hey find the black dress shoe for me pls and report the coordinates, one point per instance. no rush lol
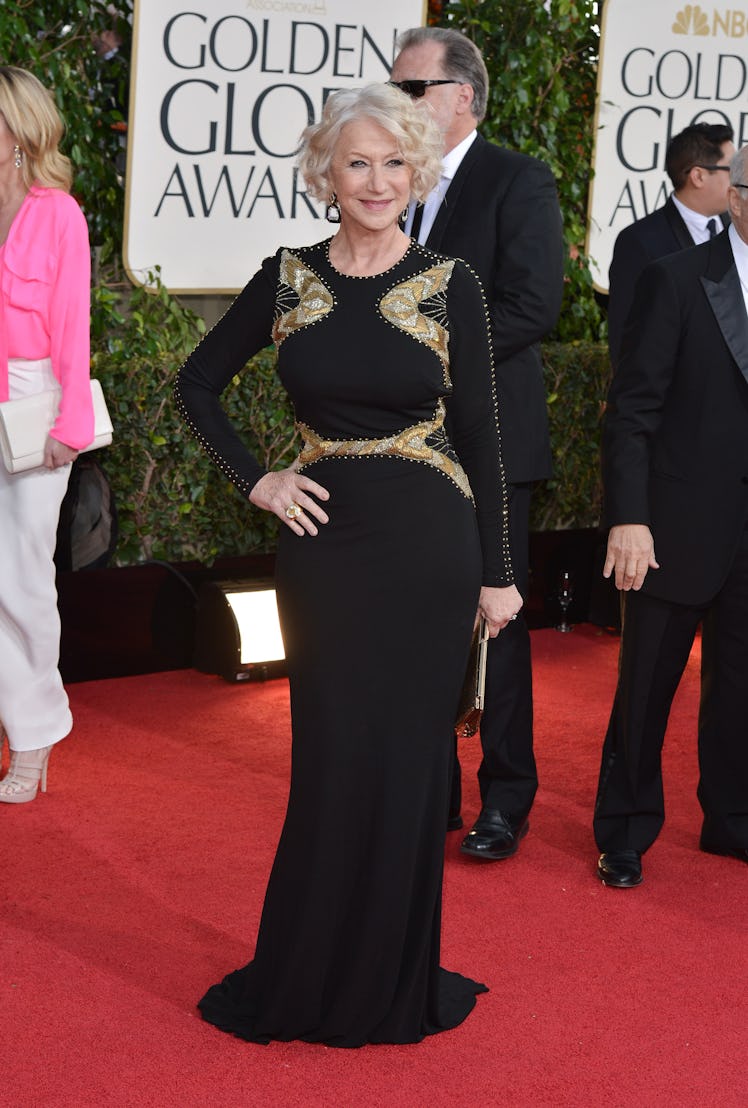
(494, 836)
(454, 821)
(620, 868)
(739, 852)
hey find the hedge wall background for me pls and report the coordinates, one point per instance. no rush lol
(173, 504)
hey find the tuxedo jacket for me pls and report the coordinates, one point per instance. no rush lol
(500, 214)
(660, 233)
(675, 438)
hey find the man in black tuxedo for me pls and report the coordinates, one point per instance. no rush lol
(497, 210)
(697, 162)
(675, 467)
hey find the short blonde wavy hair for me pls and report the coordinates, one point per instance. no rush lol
(410, 123)
(32, 118)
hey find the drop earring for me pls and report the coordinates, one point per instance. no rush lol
(332, 215)
(404, 215)
(17, 156)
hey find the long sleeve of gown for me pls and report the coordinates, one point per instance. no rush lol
(474, 421)
(245, 329)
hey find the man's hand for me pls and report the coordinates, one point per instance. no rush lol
(630, 553)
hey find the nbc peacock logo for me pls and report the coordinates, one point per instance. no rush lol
(691, 20)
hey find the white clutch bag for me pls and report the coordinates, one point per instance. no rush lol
(25, 424)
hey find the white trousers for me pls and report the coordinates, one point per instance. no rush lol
(33, 703)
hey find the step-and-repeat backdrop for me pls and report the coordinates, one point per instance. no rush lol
(220, 92)
(663, 66)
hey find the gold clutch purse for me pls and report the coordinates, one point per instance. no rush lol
(473, 692)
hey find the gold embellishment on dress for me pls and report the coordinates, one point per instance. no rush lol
(302, 298)
(418, 307)
(422, 442)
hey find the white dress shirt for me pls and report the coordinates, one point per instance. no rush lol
(740, 253)
(450, 165)
(696, 222)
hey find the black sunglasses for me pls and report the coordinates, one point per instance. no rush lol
(698, 165)
(417, 89)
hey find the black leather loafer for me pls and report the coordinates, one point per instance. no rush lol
(620, 868)
(494, 836)
(741, 853)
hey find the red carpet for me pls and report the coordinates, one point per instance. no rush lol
(138, 881)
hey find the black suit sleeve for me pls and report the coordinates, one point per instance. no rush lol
(629, 259)
(637, 395)
(656, 235)
(529, 267)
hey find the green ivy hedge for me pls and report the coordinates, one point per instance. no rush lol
(542, 63)
(175, 505)
(577, 375)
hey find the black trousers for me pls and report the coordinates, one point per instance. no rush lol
(655, 643)
(507, 776)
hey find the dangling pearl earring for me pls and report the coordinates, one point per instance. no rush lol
(18, 156)
(332, 215)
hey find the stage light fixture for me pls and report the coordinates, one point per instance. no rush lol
(237, 633)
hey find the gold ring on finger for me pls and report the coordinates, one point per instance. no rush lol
(293, 511)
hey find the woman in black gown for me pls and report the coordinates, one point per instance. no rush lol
(395, 536)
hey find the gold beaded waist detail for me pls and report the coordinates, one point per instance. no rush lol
(424, 442)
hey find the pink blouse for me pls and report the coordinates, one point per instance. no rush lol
(45, 284)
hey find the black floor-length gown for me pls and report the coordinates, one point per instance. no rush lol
(377, 613)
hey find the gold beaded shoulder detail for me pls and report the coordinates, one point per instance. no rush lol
(302, 299)
(417, 306)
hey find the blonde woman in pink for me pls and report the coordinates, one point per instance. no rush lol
(44, 343)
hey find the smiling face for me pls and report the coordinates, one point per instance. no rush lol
(369, 176)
